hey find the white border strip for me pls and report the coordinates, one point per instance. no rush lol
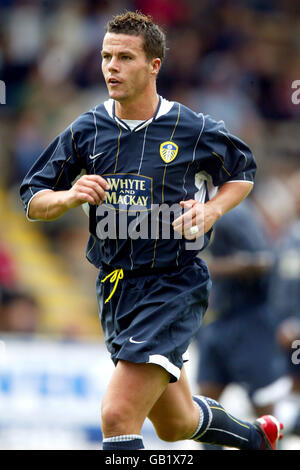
(165, 363)
(239, 181)
(27, 211)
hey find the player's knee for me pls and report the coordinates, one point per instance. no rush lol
(117, 419)
(114, 420)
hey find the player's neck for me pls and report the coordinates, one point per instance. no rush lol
(142, 108)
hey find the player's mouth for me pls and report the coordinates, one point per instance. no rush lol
(113, 82)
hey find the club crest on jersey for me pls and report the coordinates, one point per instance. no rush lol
(168, 151)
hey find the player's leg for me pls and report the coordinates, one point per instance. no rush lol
(260, 367)
(212, 369)
(213, 372)
(296, 394)
(131, 393)
(177, 415)
(288, 409)
(214, 391)
(263, 410)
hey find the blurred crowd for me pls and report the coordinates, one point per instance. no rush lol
(233, 59)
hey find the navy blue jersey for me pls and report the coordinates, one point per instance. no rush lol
(176, 155)
(285, 284)
(239, 231)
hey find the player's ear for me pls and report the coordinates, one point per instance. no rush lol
(155, 65)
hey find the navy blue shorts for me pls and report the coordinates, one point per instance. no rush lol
(152, 318)
(242, 349)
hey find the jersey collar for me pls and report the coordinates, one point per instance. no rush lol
(164, 106)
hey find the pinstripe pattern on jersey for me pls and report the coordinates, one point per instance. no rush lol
(137, 151)
(184, 177)
(63, 166)
(163, 186)
(222, 161)
(118, 148)
(74, 141)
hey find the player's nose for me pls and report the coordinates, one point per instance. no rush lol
(113, 65)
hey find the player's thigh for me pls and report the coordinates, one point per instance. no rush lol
(130, 395)
(213, 371)
(175, 415)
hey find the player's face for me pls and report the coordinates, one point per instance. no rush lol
(126, 69)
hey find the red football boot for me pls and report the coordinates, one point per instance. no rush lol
(269, 428)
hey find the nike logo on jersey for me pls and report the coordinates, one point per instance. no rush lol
(95, 156)
(136, 342)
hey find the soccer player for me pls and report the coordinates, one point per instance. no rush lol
(285, 297)
(142, 152)
(241, 264)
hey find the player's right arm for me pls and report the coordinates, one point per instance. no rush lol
(49, 205)
(53, 186)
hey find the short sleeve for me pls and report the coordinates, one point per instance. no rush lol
(55, 169)
(224, 156)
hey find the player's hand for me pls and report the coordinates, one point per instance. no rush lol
(197, 219)
(88, 188)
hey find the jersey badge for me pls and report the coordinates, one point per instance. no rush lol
(168, 151)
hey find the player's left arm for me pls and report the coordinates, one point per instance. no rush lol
(230, 166)
(204, 215)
